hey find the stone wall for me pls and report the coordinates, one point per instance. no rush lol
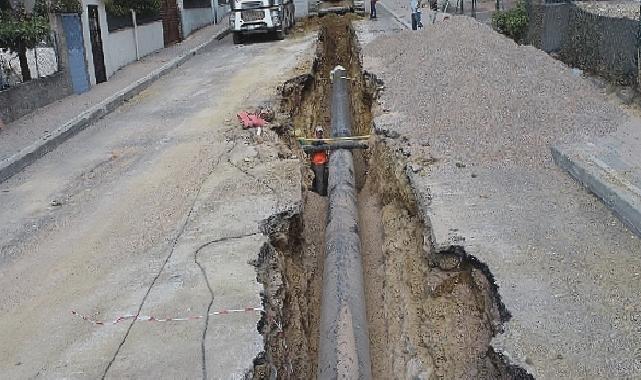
(24, 98)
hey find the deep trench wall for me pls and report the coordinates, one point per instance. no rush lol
(441, 307)
(290, 269)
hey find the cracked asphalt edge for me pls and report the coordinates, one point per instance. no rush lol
(169, 255)
(211, 291)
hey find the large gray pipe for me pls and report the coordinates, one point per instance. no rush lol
(344, 341)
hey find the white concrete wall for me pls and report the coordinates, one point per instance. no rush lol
(150, 38)
(196, 18)
(301, 8)
(119, 47)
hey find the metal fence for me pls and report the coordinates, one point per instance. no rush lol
(601, 44)
(604, 45)
(42, 61)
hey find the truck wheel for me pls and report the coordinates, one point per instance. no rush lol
(238, 38)
(279, 34)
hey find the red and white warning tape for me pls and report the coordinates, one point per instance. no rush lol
(147, 318)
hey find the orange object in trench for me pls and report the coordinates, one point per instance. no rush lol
(319, 158)
(319, 162)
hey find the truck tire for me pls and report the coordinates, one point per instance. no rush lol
(279, 35)
(238, 38)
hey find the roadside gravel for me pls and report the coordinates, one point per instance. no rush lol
(516, 99)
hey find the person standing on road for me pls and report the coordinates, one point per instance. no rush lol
(319, 161)
(372, 12)
(414, 10)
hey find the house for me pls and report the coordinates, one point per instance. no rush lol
(90, 44)
(112, 42)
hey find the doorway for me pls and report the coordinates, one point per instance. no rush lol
(72, 27)
(96, 44)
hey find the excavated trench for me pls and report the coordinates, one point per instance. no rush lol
(430, 314)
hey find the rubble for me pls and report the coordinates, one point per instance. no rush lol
(517, 99)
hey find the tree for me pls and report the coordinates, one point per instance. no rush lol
(20, 31)
(142, 7)
(513, 23)
(44, 7)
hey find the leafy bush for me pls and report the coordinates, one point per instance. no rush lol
(20, 31)
(43, 7)
(513, 23)
(143, 8)
(66, 6)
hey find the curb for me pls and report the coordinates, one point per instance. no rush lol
(620, 196)
(16, 163)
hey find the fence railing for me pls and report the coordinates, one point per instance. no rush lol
(598, 43)
(43, 61)
(115, 23)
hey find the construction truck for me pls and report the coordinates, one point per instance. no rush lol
(275, 17)
(322, 7)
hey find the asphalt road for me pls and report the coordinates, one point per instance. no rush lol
(154, 209)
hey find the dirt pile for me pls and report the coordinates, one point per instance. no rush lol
(457, 76)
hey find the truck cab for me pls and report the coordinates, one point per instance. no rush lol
(275, 17)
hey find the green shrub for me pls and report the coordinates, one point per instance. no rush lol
(20, 31)
(66, 6)
(513, 23)
(57, 6)
(143, 8)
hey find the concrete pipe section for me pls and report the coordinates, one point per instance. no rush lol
(344, 341)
